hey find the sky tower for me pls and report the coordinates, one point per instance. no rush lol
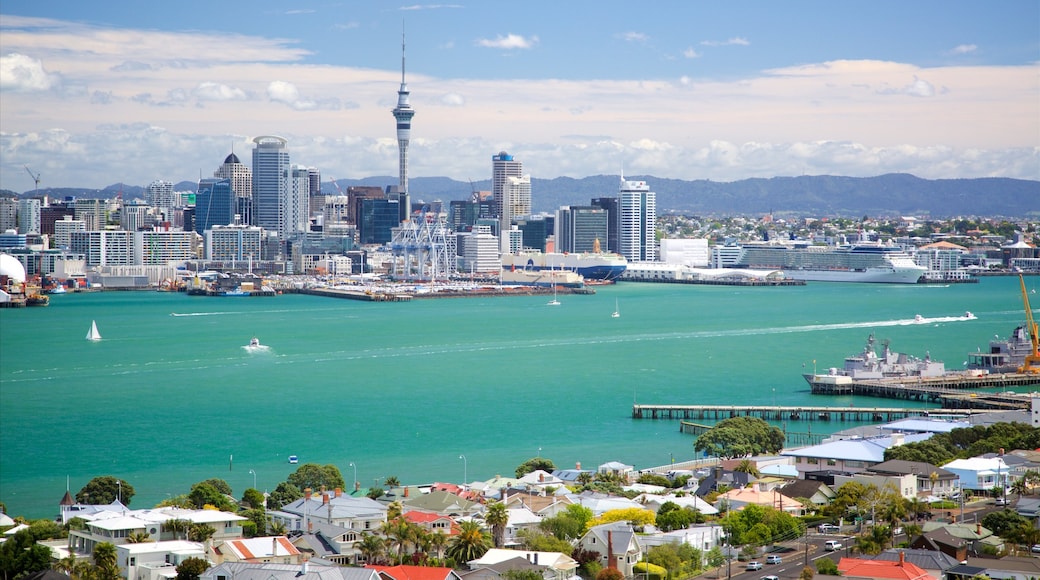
(403, 113)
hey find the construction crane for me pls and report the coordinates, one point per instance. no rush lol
(336, 185)
(36, 179)
(1031, 364)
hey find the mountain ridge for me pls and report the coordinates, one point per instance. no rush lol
(888, 195)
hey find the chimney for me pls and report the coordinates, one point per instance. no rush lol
(541, 477)
(324, 498)
(307, 493)
(978, 528)
(406, 492)
(902, 558)
(339, 492)
(303, 567)
(611, 563)
(577, 466)
(1001, 454)
(274, 546)
(357, 486)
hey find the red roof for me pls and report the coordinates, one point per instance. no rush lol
(881, 569)
(413, 572)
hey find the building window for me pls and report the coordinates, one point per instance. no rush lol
(812, 461)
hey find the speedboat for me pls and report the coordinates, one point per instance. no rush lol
(254, 342)
(293, 459)
(918, 319)
(969, 316)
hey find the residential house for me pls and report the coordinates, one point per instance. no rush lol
(519, 519)
(156, 560)
(441, 503)
(616, 469)
(1028, 507)
(719, 478)
(737, 499)
(817, 492)
(307, 570)
(974, 535)
(332, 543)
(704, 537)
(544, 505)
(415, 573)
(551, 565)
(1007, 568)
(600, 503)
(617, 544)
(270, 549)
(116, 526)
(927, 479)
(361, 514)
(881, 569)
(431, 523)
(980, 473)
(934, 562)
(941, 540)
(654, 502)
(849, 455)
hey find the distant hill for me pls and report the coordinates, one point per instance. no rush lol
(817, 195)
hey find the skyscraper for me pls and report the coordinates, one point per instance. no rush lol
(580, 228)
(270, 182)
(214, 204)
(507, 181)
(403, 113)
(296, 203)
(637, 221)
(241, 183)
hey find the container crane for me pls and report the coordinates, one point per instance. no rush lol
(1031, 364)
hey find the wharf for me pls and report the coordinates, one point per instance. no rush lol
(950, 390)
(366, 295)
(802, 413)
(720, 281)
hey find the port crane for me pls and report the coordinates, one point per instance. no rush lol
(36, 179)
(1031, 364)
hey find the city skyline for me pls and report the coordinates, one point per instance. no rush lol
(96, 95)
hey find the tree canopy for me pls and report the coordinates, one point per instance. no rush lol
(968, 442)
(534, 464)
(314, 476)
(740, 437)
(105, 489)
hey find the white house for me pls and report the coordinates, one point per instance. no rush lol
(156, 560)
(979, 473)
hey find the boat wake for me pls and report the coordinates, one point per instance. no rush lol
(256, 348)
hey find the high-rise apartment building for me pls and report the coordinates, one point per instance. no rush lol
(270, 182)
(316, 200)
(29, 216)
(611, 205)
(92, 212)
(637, 221)
(160, 196)
(234, 243)
(403, 114)
(296, 204)
(507, 183)
(8, 214)
(135, 216)
(63, 229)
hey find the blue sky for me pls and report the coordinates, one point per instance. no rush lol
(98, 93)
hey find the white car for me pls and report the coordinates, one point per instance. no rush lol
(754, 565)
(831, 545)
(828, 528)
(774, 559)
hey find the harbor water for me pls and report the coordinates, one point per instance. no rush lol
(170, 395)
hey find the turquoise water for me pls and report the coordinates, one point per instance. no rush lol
(406, 388)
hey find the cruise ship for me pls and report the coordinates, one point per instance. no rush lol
(860, 262)
(591, 266)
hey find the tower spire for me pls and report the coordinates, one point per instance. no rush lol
(403, 113)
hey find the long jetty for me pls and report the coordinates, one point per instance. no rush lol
(801, 413)
(951, 391)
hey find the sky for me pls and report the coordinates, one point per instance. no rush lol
(98, 93)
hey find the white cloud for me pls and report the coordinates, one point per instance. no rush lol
(210, 91)
(690, 53)
(22, 73)
(964, 49)
(414, 7)
(920, 88)
(509, 42)
(633, 36)
(735, 41)
(453, 100)
(283, 92)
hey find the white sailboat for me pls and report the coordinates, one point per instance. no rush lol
(93, 333)
(617, 312)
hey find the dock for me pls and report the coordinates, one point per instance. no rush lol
(956, 391)
(802, 413)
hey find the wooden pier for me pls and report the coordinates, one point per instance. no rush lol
(951, 392)
(803, 413)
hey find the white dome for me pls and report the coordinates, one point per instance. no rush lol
(12, 268)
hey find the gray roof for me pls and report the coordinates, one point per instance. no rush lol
(903, 467)
(926, 559)
(314, 571)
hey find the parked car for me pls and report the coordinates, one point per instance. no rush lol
(754, 565)
(1001, 501)
(831, 545)
(770, 578)
(1035, 549)
(774, 559)
(828, 528)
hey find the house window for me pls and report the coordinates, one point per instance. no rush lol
(133, 561)
(812, 461)
(222, 577)
(831, 462)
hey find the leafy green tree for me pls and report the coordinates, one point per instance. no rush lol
(192, 568)
(253, 498)
(807, 573)
(570, 524)
(671, 517)
(314, 476)
(534, 464)
(375, 493)
(1001, 522)
(259, 519)
(664, 556)
(104, 490)
(221, 485)
(470, 543)
(749, 467)
(655, 479)
(740, 437)
(540, 541)
(204, 493)
(520, 575)
(47, 529)
(285, 493)
(497, 516)
(20, 555)
(715, 558)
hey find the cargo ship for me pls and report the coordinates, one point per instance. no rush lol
(861, 262)
(590, 266)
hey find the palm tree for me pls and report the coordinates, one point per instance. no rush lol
(471, 543)
(372, 548)
(392, 482)
(585, 478)
(749, 467)
(497, 516)
(394, 510)
(106, 562)
(277, 529)
(138, 537)
(177, 526)
(201, 532)
(1032, 478)
(438, 540)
